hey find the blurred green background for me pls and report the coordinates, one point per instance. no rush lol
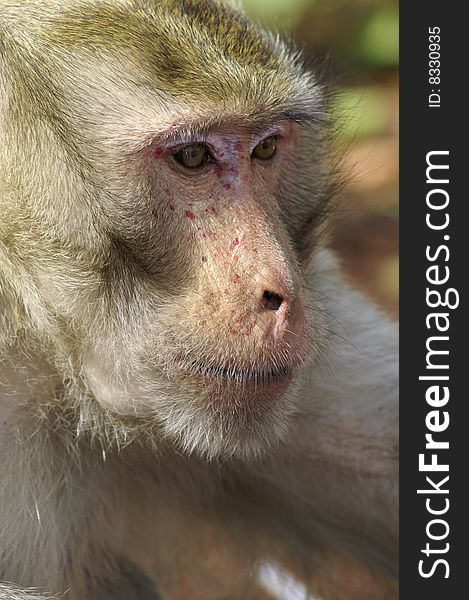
(358, 40)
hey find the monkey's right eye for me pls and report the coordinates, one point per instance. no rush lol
(192, 156)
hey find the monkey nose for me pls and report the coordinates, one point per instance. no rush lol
(272, 300)
(280, 309)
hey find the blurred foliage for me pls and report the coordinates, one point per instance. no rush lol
(365, 31)
(378, 42)
(360, 112)
(283, 13)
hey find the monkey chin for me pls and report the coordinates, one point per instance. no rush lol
(231, 413)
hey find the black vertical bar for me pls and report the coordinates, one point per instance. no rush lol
(426, 127)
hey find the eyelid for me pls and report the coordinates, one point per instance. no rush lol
(174, 149)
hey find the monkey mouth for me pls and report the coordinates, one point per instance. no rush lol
(253, 376)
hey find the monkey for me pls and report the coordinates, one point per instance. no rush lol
(184, 368)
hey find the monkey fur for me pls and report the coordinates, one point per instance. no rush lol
(183, 367)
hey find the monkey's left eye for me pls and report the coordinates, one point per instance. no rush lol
(192, 156)
(266, 149)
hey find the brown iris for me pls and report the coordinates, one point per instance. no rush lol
(192, 156)
(266, 149)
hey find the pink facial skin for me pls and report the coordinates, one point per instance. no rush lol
(224, 206)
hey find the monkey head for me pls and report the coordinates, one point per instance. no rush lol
(173, 175)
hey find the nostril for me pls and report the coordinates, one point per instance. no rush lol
(271, 300)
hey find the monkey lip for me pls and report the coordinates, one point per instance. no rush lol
(247, 376)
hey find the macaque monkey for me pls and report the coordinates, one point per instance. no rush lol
(182, 363)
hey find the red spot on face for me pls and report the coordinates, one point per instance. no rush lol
(236, 278)
(171, 207)
(209, 233)
(159, 151)
(213, 210)
(226, 292)
(234, 243)
(189, 214)
(238, 147)
(232, 331)
(246, 332)
(227, 186)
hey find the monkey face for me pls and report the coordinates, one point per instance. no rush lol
(213, 327)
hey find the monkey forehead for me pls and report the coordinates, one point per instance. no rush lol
(202, 53)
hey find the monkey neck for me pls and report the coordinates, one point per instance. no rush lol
(35, 471)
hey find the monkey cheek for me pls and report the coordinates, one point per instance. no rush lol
(109, 390)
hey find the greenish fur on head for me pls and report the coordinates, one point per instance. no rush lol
(205, 52)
